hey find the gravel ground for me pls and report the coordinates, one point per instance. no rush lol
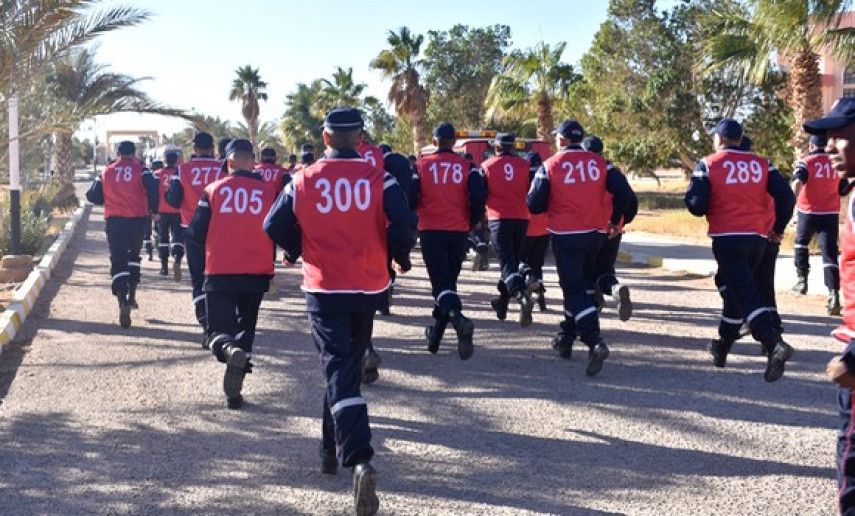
(96, 419)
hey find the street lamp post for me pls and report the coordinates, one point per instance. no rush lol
(14, 179)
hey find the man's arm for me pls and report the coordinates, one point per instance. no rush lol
(800, 177)
(95, 194)
(152, 191)
(282, 226)
(415, 190)
(697, 198)
(618, 186)
(175, 193)
(477, 197)
(401, 233)
(197, 230)
(784, 199)
(537, 198)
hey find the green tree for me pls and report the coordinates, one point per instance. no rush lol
(301, 121)
(81, 88)
(460, 63)
(341, 90)
(794, 30)
(249, 89)
(400, 63)
(532, 83)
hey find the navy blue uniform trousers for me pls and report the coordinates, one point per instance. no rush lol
(826, 228)
(575, 259)
(533, 255)
(443, 253)
(740, 259)
(846, 454)
(506, 237)
(341, 339)
(170, 236)
(196, 264)
(604, 272)
(234, 314)
(125, 239)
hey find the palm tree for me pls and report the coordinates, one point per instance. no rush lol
(302, 119)
(81, 88)
(794, 30)
(400, 63)
(249, 89)
(341, 90)
(532, 82)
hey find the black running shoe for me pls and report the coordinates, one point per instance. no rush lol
(526, 307)
(501, 308)
(719, 350)
(624, 303)
(176, 270)
(124, 314)
(365, 490)
(235, 366)
(777, 361)
(370, 363)
(465, 329)
(433, 334)
(563, 346)
(329, 462)
(596, 356)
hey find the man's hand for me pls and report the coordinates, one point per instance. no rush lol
(286, 263)
(155, 217)
(775, 238)
(477, 227)
(838, 373)
(612, 231)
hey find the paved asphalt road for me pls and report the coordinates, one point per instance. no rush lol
(96, 419)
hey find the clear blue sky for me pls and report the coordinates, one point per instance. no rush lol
(190, 48)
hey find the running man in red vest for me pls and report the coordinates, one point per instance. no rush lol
(170, 236)
(128, 193)
(227, 224)
(535, 244)
(184, 193)
(507, 179)
(272, 173)
(449, 197)
(570, 188)
(605, 280)
(343, 206)
(818, 205)
(839, 125)
(732, 188)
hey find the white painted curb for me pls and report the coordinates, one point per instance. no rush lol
(27, 294)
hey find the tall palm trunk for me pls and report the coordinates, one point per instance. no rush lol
(805, 85)
(419, 139)
(545, 124)
(63, 170)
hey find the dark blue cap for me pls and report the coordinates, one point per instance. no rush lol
(570, 129)
(444, 131)
(156, 164)
(820, 140)
(729, 128)
(841, 115)
(386, 148)
(343, 119)
(203, 140)
(244, 146)
(534, 159)
(292, 157)
(505, 139)
(746, 144)
(395, 163)
(222, 144)
(268, 152)
(171, 156)
(307, 147)
(126, 148)
(593, 144)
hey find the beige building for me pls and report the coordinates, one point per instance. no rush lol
(838, 79)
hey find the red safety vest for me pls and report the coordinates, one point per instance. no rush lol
(444, 192)
(371, 153)
(507, 184)
(272, 173)
(739, 201)
(846, 331)
(339, 205)
(236, 242)
(164, 178)
(577, 186)
(124, 193)
(819, 194)
(195, 175)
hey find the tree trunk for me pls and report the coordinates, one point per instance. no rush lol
(545, 124)
(418, 126)
(63, 170)
(805, 85)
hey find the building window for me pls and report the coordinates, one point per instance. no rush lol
(849, 75)
(849, 92)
